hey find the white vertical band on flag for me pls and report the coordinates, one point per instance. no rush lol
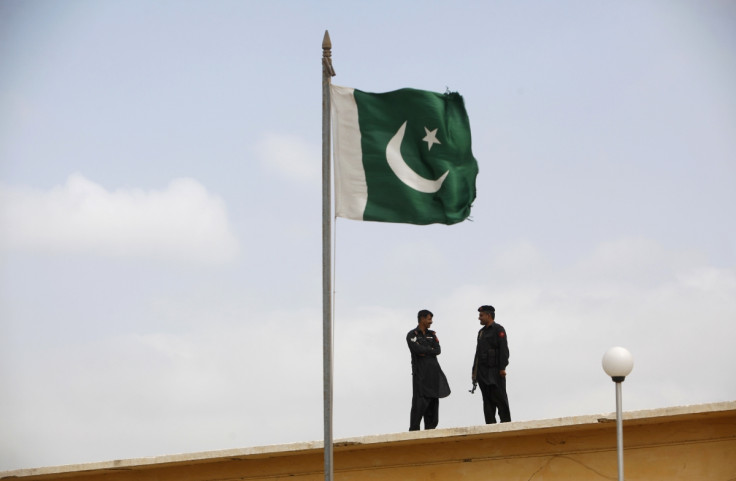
(351, 190)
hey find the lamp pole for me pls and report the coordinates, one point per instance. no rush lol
(618, 363)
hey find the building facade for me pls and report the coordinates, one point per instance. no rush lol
(683, 443)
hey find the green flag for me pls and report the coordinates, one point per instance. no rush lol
(403, 156)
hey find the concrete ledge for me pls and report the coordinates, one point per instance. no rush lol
(653, 440)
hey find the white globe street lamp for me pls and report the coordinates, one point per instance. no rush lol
(618, 363)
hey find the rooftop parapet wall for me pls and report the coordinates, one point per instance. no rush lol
(683, 443)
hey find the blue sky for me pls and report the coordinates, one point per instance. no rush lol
(160, 217)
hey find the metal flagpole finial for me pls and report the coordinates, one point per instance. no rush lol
(327, 55)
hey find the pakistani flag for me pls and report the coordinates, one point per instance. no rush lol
(402, 156)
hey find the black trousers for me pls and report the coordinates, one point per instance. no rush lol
(494, 397)
(424, 407)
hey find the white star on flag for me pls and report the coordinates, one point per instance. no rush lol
(430, 138)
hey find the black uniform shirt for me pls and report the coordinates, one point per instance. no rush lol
(491, 354)
(427, 377)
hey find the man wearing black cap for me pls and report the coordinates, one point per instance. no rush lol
(428, 381)
(489, 367)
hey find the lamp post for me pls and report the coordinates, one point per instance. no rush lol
(618, 363)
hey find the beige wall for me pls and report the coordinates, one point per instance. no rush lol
(694, 443)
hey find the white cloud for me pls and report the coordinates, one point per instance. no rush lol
(183, 222)
(228, 377)
(215, 386)
(290, 156)
(668, 307)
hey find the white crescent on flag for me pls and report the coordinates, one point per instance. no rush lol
(404, 172)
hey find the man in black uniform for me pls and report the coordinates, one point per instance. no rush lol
(489, 367)
(428, 381)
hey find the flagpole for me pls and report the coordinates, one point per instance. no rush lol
(327, 73)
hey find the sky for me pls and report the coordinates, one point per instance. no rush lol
(160, 217)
